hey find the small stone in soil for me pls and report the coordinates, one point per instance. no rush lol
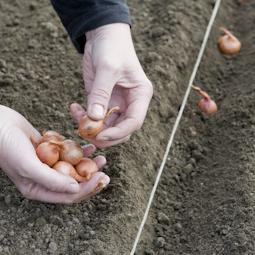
(149, 252)
(53, 246)
(99, 252)
(11, 233)
(51, 28)
(2, 64)
(197, 155)
(160, 242)
(177, 206)
(57, 220)
(178, 226)
(162, 218)
(92, 233)
(32, 44)
(32, 6)
(192, 131)
(7, 199)
(192, 161)
(193, 145)
(40, 222)
(176, 178)
(188, 168)
(86, 253)
(183, 239)
(38, 252)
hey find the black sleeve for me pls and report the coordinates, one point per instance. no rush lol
(80, 16)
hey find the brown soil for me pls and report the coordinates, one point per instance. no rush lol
(206, 199)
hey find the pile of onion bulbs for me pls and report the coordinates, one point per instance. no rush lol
(65, 156)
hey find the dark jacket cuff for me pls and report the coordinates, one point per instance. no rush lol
(82, 24)
(81, 17)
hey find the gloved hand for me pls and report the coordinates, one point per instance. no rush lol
(113, 76)
(34, 179)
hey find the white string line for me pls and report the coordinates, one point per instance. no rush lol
(176, 124)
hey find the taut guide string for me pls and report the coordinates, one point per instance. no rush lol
(176, 124)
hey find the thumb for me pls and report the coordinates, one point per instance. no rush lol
(32, 168)
(100, 94)
(48, 178)
(21, 160)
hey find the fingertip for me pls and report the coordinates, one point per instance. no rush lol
(73, 188)
(102, 182)
(97, 177)
(63, 183)
(49, 178)
(106, 180)
(96, 111)
(35, 140)
(75, 106)
(76, 111)
(100, 161)
(88, 189)
(88, 149)
(92, 183)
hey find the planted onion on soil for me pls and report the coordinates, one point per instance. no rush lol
(228, 44)
(89, 128)
(206, 104)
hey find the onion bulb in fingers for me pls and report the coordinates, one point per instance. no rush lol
(89, 128)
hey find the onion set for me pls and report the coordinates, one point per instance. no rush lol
(86, 168)
(51, 136)
(70, 151)
(228, 44)
(66, 168)
(49, 153)
(65, 156)
(206, 104)
(89, 128)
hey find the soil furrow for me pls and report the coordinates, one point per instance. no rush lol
(41, 75)
(205, 203)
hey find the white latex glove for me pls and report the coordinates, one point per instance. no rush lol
(113, 76)
(34, 179)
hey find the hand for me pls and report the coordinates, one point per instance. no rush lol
(34, 179)
(114, 77)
